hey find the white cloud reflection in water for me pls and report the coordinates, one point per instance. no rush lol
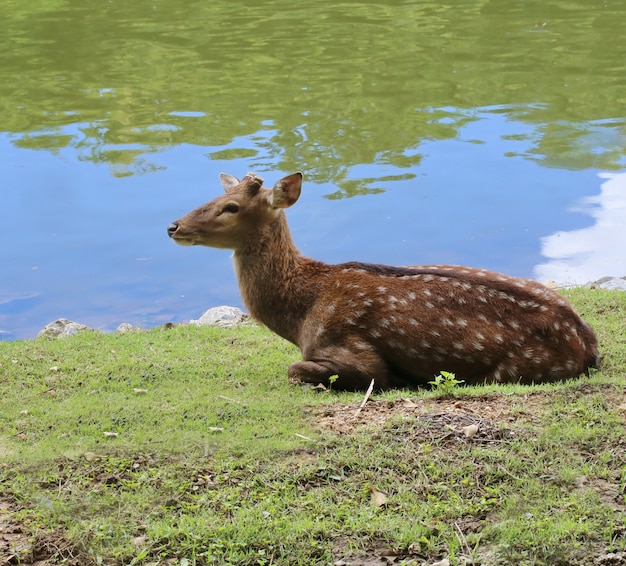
(584, 255)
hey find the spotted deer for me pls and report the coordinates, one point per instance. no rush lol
(398, 326)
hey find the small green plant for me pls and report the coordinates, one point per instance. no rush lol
(445, 383)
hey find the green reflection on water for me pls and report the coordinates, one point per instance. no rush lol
(332, 85)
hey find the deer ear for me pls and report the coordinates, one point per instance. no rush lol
(229, 182)
(286, 191)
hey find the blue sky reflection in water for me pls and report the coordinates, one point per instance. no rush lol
(90, 245)
(487, 133)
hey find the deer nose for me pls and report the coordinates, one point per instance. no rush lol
(171, 229)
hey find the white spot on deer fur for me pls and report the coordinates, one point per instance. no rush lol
(514, 324)
(350, 321)
(498, 338)
(424, 344)
(393, 299)
(447, 322)
(461, 322)
(382, 289)
(543, 308)
(330, 308)
(528, 353)
(428, 278)
(362, 345)
(385, 323)
(427, 292)
(557, 326)
(368, 302)
(413, 322)
(401, 331)
(458, 346)
(444, 279)
(480, 336)
(435, 333)
(481, 274)
(374, 333)
(478, 346)
(392, 343)
(429, 305)
(412, 296)
(359, 313)
(499, 323)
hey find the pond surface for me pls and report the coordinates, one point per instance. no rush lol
(486, 133)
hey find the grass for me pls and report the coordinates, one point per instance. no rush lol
(188, 447)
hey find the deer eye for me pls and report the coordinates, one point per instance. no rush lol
(231, 207)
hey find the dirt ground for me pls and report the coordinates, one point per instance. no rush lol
(484, 419)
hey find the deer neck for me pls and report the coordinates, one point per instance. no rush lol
(276, 282)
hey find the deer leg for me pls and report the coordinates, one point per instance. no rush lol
(310, 372)
(355, 370)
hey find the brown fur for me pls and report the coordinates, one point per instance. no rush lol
(396, 325)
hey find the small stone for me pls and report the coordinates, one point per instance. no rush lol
(612, 283)
(62, 328)
(224, 317)
(470, 430)
(125, 328)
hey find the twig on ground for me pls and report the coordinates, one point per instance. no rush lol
(367, 396)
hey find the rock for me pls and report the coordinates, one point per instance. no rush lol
(125, 328)
(62, 328)
(224, 317)
(613, 283)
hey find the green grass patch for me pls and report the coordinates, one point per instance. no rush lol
(188, 446)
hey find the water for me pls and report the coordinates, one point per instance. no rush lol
(485, 133)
